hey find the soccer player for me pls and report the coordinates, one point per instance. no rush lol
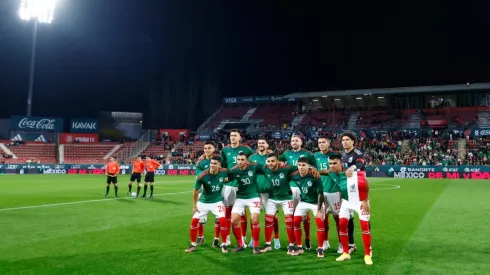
(211, 181)
(203, 165)
(151, 166)
(352, 159)
(244, 175)
(138, 168)
(261, 158)
(311, 189)
(291, 158)
(330, 191)
(280, 194)
(229, 156)
(355, 198)
(111, 171)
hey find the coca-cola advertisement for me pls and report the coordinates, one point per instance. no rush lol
(36, 124)
(67, 138)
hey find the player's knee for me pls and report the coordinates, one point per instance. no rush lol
(194, 222)
(343, 224)
(235, 218)
(255, 218)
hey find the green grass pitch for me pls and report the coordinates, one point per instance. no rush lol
(62, 224)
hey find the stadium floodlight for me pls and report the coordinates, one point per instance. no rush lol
(41, 11)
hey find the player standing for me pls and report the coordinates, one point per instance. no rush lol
(352, 159)
(151, 166)
(330, 191)
(211, 181)
(138, 168)
(247, 195)
(111, 171)
(291, 158)
(311, 189)
(280, 195)
(354, 190)
(229, 156)
(263, 185)
(203, 165)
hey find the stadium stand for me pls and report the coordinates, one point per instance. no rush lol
(89, 153)
(31, 151)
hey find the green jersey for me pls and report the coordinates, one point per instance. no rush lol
(310, 187)
(212, 185)
(229, 155)
(322, 164)
(291, 157)
(246, 181)
(279, 182)
(331, 183)
(259, 159)
(203, 165)
(262, 183)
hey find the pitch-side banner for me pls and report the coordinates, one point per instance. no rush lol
(36, 124)
(94, 169)
(84, 125)
(67, 138)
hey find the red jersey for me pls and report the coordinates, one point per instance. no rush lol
(151, 165)
(112, 168)
(138, 166)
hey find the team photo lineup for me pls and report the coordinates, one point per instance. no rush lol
(298, 182)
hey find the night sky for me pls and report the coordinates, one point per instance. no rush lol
(152, 56)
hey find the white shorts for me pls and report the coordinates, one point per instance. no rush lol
(303, 209)
(252, 204)
(287, 207)
(348, 208)
(263, 199)
(334, 202)
(217, 208)
(229, 195)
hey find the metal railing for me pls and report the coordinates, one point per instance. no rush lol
(127, 154)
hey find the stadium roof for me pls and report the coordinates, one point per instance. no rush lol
(400, 90)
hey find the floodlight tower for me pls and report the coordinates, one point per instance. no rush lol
(41, 11)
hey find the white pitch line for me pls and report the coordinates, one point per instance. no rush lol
(393, 186)
(113, 199)
(80, 202)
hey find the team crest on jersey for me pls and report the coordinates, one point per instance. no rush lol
(350, 159)
(352, 188)
(281, 175)
(250, 173)
(220, 179)
(309, 183)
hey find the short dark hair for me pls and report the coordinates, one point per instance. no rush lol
(216, 158)
(242, 154)
(234, 131)
(263, 138)
(324, 137)
(272, 155)
(303, 160)
(335, 156)
(349, 135)
(209, 143)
